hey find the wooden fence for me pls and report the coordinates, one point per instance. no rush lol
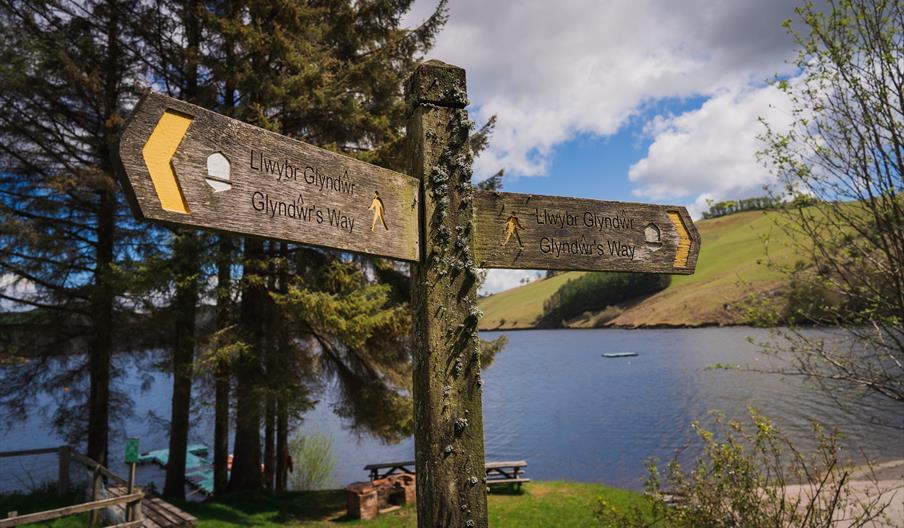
(131, 501)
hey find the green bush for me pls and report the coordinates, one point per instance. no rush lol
(751, 476)
(313, 462)
(592, 292)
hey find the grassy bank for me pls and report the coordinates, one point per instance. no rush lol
(43, 500)
(561, 504)
(539, 504)
(732, 265)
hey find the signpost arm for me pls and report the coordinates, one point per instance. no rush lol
(447, 388)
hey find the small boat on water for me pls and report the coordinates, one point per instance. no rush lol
(619, 355)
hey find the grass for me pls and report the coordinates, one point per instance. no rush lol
(520, 307)
(544, 503)
(42, 500)
(731, 265)
(561, 504)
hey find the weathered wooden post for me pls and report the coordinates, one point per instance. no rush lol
(63, 471)
(95, 495)
(447, 387)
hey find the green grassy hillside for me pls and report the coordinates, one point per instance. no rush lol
(731, 266)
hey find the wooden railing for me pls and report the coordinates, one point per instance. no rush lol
(63, 454)
(131, 500)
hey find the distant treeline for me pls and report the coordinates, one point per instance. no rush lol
(596, 291)
(728, 207)
(760, 203)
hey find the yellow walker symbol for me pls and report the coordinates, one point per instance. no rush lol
(378, 208)
(512, 226)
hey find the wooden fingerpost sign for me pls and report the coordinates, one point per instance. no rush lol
(448, 415)
(531, 231)
(189, 166)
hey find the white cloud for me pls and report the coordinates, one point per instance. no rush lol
(551, 71)
(710, 153)
(503, 279)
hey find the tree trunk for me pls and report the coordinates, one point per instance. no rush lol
(221, 404)
(282, 446)
(282, 410)
(224, 308)
(270, 442)
(270, 358)
(103, 294)
(187, 265)
(102, 341)
(246, 461)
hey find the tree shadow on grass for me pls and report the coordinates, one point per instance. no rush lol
(264, 506)
(507, 490)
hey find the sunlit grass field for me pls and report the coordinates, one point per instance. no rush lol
(732, 264)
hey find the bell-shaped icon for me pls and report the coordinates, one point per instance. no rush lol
(652, 234)
(218, 172)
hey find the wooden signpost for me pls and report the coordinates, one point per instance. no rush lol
(530, 231)
(188, 166)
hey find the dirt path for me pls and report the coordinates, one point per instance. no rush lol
(884, 480)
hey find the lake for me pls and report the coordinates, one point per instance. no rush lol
(551, 399)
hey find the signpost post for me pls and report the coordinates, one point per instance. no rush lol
(185, 165)
(448, 415)
(131, 458)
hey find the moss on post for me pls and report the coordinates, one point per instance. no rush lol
(451, 488)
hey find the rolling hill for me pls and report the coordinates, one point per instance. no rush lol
(732, 265)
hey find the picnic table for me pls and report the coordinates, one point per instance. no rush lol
(503, 473)
(509, 472)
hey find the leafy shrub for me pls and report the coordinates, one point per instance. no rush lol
(313, 461)
(755, 478)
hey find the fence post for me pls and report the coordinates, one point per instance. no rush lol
(448, 417)
(63, 474)
(95, 495)
(137, 515)
(130, 508)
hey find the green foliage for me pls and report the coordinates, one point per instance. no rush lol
(313, 461)
(750, 475)
(489, 350)
(843, 149)
(360, 337)
(329, 73)
(595, 291)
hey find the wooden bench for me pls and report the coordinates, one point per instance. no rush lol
(505, 473)
(497, 473)
(391, 468)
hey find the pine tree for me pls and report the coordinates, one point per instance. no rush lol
(329, 73)
(65, 78)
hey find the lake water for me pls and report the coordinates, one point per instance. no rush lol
(551, 399)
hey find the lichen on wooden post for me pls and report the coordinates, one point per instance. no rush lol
(451, 488)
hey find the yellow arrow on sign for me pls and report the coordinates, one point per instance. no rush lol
(158, 154)
(684, 240)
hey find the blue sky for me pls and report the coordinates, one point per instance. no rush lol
(645, 100)
(594, 166)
